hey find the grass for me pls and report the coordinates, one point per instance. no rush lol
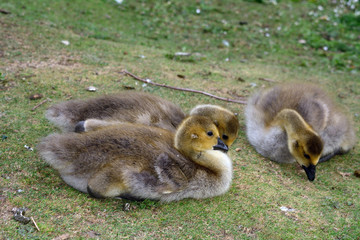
(232, 45)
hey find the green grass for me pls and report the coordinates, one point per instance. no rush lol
(290, 41)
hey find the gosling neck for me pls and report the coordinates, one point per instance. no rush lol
(214, 160)
(292, 122)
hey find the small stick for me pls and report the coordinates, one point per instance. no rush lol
(267, 80)
(41, 103)
(32, 219)
(148, 81)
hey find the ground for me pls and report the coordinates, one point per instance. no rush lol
(60, 48)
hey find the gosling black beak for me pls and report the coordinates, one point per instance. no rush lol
(80, 127)
(221, 146)
(310, 171)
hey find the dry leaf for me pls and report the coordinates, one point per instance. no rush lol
(128, 87)
(35, 96)
(180, 76)
(344, 174)
(62, 237)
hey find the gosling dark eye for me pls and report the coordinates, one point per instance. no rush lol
(225, 137)
(210, 133)
(306, 156)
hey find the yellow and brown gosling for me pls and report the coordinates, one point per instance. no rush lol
(225, 120)
(298, 122)
(142, 162)
(134, 107)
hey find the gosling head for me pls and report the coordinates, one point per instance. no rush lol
(228, 129)
(197, 134)
(225, 121)
(307, 150)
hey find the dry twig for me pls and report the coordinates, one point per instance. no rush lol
(41, 103)
(32, 219)
(267, 80)
(148, 81)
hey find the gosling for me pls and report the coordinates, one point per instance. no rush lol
(225, 120)
(142, 162)
(298, 122)
(134, 107)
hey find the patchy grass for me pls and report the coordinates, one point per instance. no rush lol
(232, 45)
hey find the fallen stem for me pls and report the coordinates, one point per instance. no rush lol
(267, 80)
(41, 103)
(148, 81)
(32, 219)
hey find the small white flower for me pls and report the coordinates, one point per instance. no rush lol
(224, 22)
(198, 10)
(267, 34)
(320, 8)
(65, 42)
(225, 43)
(325, 48)
(91, 89)
(286, 209)
(28, 148)
(182, 54)
(119, 1)
(302, 41)
(274, 2)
